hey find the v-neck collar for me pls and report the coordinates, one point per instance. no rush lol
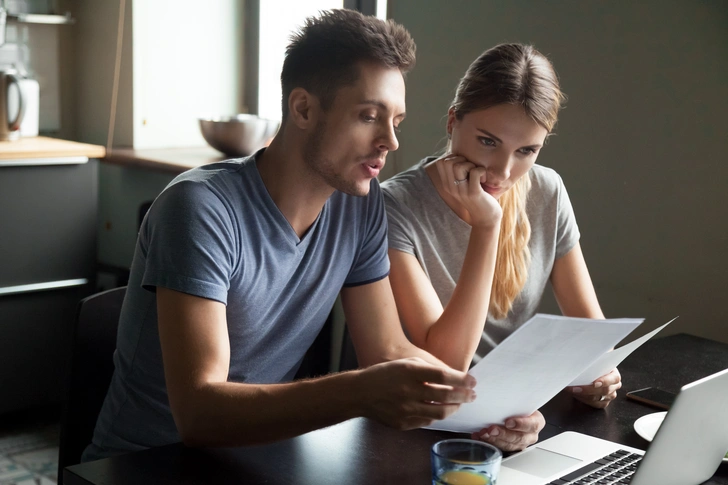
(275, 212)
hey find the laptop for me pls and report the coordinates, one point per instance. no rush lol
(687, 449)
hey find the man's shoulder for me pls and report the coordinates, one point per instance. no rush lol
(216, 191)
(353, 215)
(229, 180)
(215, 173)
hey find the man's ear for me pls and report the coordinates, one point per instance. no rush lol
(303, 108)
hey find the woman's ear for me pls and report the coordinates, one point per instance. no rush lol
(450, 122)
(302, 108)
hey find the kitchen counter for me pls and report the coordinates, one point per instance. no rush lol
(41, 147)
(170, 160)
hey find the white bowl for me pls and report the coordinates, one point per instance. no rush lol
(239, 135)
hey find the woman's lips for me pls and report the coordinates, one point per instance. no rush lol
(491, 189)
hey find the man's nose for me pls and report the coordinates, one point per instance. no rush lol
(388, 140)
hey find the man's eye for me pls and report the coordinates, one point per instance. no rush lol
(487, 141)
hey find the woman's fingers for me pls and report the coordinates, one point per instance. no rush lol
(453, 169)
(476, 176)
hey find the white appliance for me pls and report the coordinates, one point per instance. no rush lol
(31, 95)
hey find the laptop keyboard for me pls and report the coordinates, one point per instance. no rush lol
(615, 468)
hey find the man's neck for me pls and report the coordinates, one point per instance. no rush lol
(298, 195)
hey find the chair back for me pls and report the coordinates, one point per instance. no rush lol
(348, 360)
(91, 368)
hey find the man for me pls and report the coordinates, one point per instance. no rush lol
(238, 264)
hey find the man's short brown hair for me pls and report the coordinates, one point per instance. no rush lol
(322, 56)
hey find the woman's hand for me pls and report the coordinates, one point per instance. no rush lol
(517, 434)
(601, 392)
(462, 180)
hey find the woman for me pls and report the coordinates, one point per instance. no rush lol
(476, 235)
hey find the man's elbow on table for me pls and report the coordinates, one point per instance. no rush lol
(197, 419)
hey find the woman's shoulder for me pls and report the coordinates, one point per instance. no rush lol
(407, 183)
(410, 196)
(545, 180)
(545, 175)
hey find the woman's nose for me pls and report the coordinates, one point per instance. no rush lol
(499, 170)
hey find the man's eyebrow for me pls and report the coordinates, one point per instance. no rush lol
(381, 105)
(491, 135)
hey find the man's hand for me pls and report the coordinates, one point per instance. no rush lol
(411, 393)
(518, 433)
(601, 392)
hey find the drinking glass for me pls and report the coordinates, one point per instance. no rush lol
(465, 462)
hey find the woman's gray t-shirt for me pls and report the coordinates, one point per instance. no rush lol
(422, 224)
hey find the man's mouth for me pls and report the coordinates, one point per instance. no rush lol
(375, 163)
(372, 166)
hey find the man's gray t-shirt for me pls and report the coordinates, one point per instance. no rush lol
(215, 232)
(422, 224)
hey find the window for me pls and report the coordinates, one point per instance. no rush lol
(277, 20)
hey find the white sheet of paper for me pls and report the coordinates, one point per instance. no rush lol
(612, 359)
(532, 365)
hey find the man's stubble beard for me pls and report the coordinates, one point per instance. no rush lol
(326, 168)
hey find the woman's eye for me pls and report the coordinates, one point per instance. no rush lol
(527, 151)
(487, 141)
(397, 129)
(369, 118)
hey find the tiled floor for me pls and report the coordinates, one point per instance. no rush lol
(29, 448)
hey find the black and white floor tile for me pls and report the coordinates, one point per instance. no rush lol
(29, 456)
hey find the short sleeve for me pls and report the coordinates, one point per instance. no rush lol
(372, 262)
(188, 242)
(397, 224)
(567, 231)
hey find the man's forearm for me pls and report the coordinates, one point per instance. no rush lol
(234, 414)
(399, 393)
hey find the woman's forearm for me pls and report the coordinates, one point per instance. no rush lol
(454, 337)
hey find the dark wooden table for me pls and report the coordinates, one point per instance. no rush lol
(364, 452)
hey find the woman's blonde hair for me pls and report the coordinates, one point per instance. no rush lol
(519, 75)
